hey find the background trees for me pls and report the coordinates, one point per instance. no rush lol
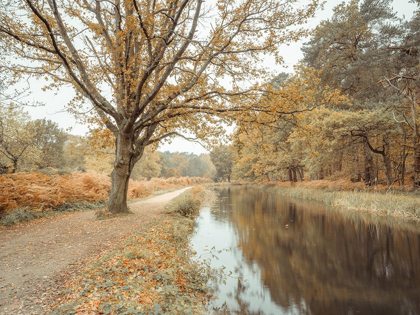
(367, 54)
(222, 158)
(17, 137)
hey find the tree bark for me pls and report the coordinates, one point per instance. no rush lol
(403, 161)
(15, 165)
(300, 173)
(294, 174)
(123, 165)
(416, 181)
(387, 162)
(369, 166)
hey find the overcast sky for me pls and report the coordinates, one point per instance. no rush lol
(54, 108)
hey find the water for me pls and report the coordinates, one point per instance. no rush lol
(292, 257)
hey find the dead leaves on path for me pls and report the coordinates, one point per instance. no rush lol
(152, 272)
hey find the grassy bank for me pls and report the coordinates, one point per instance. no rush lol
(381, 202)
(152, 272)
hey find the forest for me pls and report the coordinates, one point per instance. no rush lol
(339, 127)
(355, 96)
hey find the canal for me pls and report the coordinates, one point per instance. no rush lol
(284, 256)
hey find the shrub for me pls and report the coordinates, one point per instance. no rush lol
(41, 192)
(188, 203)
(17, 216)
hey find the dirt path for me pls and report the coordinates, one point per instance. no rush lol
(36, 258)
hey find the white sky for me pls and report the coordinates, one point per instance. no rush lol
(55, 103)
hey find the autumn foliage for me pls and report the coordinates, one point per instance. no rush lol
(42, 192)
(152, 272)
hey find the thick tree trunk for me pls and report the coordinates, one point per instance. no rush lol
(123, 165)
(119, 188)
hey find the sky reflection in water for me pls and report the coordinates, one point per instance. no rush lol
(291, 257)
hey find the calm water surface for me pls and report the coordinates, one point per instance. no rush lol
(292, 257)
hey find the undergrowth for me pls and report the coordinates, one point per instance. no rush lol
(21, 215)
(188, 203)
(33, 195)
(152, 272)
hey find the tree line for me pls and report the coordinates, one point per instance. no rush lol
(27, 144)
(355, 97)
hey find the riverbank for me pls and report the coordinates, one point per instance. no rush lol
(151, 271)
(379, 202)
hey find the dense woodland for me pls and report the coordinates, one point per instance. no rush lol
(355, 96)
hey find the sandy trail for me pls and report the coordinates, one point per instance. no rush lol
(36, 258)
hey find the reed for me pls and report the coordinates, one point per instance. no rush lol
(380, 202)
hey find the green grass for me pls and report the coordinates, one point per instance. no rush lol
(21, 215)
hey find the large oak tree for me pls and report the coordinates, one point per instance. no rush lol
(150, 68)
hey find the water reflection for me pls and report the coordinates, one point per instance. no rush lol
(295, 258)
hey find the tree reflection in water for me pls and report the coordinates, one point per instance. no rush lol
(299, 258)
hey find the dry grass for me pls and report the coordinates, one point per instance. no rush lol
(341, 184)
(41, 192)
(377, 200)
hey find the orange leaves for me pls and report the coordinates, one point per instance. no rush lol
(43, 192)
(149, 272)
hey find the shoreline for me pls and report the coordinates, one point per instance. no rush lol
(396, 204)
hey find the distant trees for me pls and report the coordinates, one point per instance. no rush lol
(149, 165)
(281, 149)
(49, 139)
(17, 137)
(26, 143)
(186, 164)
(222, 158)
(371, 55)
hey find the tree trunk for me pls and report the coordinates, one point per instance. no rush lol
(321, 173)
(15, 165)
(300, 173)
(403, 160)
(294, 174)
(387, 162)
(123, 165)
(369, 167)
(416, 182)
